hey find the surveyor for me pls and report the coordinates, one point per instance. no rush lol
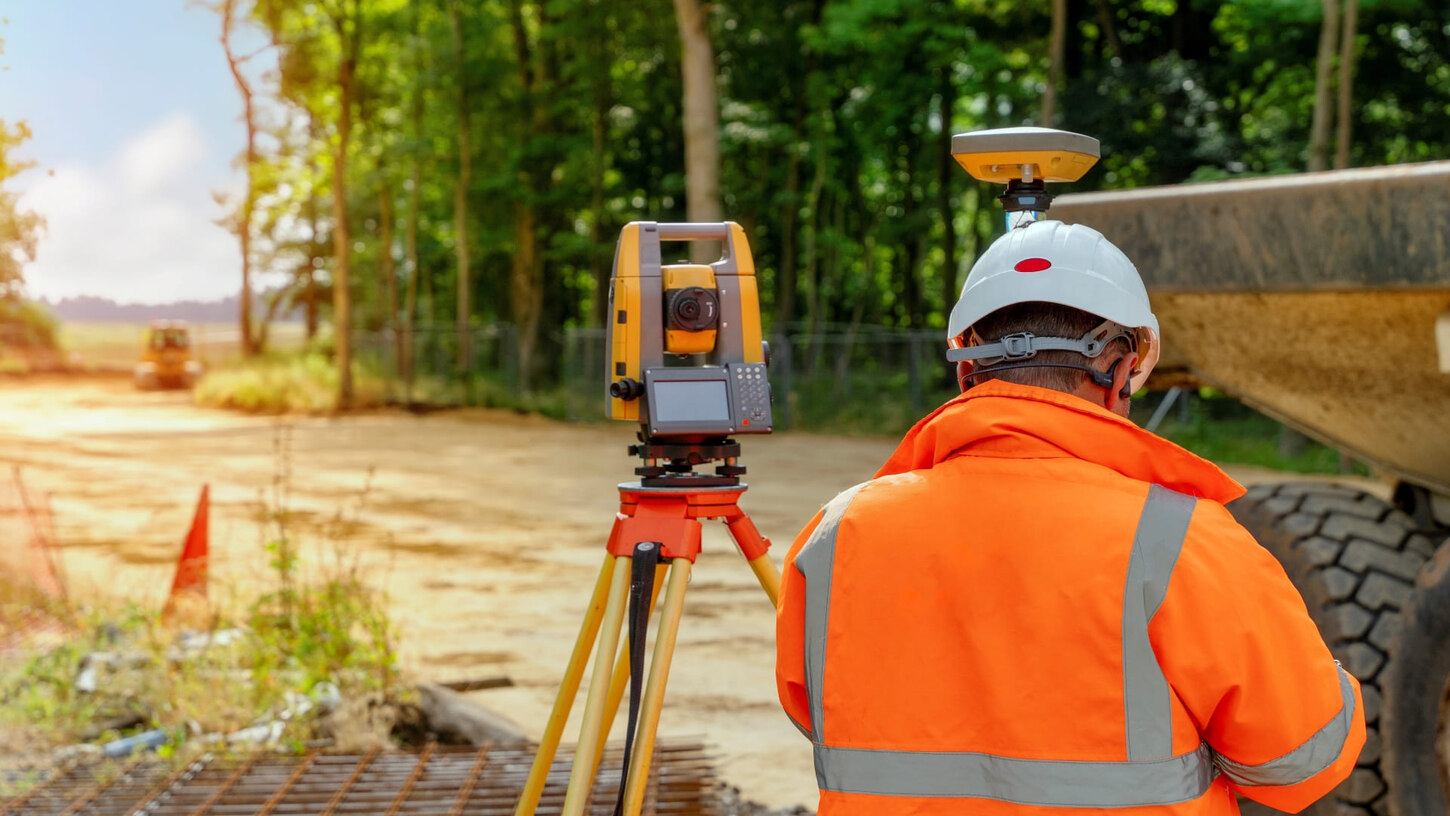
(1037, 607)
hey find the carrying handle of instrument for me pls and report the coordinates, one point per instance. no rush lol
(708, 231)
(703, 231)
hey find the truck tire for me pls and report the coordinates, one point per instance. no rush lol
(1355, 558)
(1419, 715)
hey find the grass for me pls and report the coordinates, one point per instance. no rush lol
(1223, 430)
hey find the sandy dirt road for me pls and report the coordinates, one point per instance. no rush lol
(485, 528)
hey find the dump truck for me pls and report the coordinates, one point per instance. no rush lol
(166, 359)
(1323, 300)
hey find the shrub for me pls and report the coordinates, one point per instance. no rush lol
(26, 324)
(305, 384)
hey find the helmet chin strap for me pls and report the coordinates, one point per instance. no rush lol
(1102, 379)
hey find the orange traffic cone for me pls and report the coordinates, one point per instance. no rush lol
(190, 577)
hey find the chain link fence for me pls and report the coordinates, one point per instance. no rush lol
(866, 379)
(834, 379)
(429, 368)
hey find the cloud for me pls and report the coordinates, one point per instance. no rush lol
(139, 228)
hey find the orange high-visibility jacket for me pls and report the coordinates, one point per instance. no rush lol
(1037, 607)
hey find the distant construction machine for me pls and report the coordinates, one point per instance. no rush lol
(1323, 300)
(166, 359)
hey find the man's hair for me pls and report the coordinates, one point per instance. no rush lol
(1044, 320)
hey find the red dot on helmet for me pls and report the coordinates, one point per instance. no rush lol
(1032, 265)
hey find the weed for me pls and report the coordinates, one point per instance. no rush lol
(119, 669)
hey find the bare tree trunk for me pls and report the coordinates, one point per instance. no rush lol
(1346, 83)
(410, 299)
(315, 247)
(1323, 97)
(341, 240)
(526, 290)
(790, 226)
(599, 269)
(701, 122)
(526, 278)
(389, 272)
(244, 225)
(1109, 27)
(460, 199)
(945, 173)
(1056, 56)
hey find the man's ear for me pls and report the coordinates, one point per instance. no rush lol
(964, 368)
(1122, 377)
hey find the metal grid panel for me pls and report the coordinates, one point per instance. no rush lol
(438, 781)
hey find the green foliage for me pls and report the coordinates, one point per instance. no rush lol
(1225, 431)
(26, 324)
(836, 118)
(19, 229)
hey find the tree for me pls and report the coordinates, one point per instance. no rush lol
(1323, 92)
(460, 195)
(701, 121)
(1056, 55)
(228, 11)
(19, 229)
(347, 24)
(1346, 83)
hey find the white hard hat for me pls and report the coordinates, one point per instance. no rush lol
(1068, 264)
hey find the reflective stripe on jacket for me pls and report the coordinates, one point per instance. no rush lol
(1028, 611)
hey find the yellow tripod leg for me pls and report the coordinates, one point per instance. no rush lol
(768, 577)
(654, 692)
(585, 754)
(568, 689)
(620, 681)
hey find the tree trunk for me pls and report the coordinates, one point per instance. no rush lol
(1109, 27)
(599, 270)
(341, 240)
(526, 279)
(1323, 78)
(410, 298)
(1055, 58)
(526, 290)
(701, 123)
(389, 273)
(460, 200)
(601, 93)
(813, 228)
(315, 248)
(789, 225)
(945, 173)
(244, 225)
(1346, 83)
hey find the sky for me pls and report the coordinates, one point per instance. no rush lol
(136, 123)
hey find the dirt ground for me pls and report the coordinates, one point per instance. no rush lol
(485, 528)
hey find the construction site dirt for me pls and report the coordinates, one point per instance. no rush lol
(485, 529)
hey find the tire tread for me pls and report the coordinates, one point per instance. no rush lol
(1360, 557)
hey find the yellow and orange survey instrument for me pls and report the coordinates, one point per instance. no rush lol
(686, 357)
(688, 364)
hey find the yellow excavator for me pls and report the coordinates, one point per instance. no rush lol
(166, 360)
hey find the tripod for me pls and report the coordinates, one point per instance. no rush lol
(665, 510)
